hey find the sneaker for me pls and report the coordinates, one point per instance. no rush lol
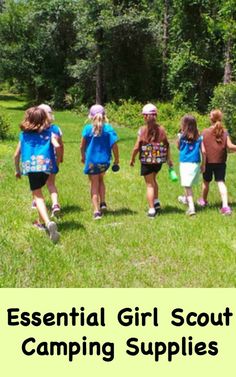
(52, 230)
(55, 210)
(33, 205)
(157, 206)
(103, 206)
(39, 226)
(182, 199)
(202, 202)
(190, 212)
(97, 216)
(151, 214)
(226, 211)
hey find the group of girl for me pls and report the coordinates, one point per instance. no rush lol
(41, 150)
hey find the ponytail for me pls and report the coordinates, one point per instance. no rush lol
(216, 119)
(98, 124)
(219, 131)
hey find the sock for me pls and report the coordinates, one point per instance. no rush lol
(190, 203)
(156, 201)
(151, 211)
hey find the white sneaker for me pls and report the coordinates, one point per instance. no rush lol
(182, 199)
(190, 212)
(52, 230)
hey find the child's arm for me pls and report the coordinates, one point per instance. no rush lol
(82, 149)
(230, 145)
(115, 151)
(203, 153)
(17, 160)
(60, 141)
(57, 146)
(169, 160)
(135, 152)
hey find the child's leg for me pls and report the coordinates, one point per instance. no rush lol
(94, 181)
(41, 207)
(151, 186)
(189, 196)
(223, 193)
(102, 188)
(52, 189)
(155, 186)
(205, 190)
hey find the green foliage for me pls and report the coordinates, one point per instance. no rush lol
(125, 248)
(125, 113)
(224, 98)
(4, 126)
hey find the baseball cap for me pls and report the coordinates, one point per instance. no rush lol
(45, 107)
(149, 109)
(96, 109)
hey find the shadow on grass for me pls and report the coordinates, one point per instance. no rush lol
(71, 209)
(70, 225)
(120, 212)
(172, 209)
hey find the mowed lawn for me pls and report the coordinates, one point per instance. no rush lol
(125, 248)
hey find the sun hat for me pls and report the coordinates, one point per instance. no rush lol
(96, 109)
(149, 109)
(45, 107)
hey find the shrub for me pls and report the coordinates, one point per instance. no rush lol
(224, 98)
(4, 127)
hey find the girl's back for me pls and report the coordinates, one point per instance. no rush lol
(216, 152)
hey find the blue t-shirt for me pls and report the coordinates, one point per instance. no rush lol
(37, 153)
(55, 129)
(98, 148)
(190, 151)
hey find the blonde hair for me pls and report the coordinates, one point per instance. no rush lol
(98, 122)
(35, 120)
(216, 117)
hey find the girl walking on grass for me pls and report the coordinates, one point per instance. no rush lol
(36, 150)
(216, 141)
(191, 147)
(99, 140)
(51, 182)
(153, 148)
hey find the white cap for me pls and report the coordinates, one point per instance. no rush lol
(45, 107)
(149, 109)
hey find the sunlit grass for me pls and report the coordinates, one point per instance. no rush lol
(125, 248)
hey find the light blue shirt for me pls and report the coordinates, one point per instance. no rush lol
(190, 150)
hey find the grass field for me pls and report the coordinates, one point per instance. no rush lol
(125, 248)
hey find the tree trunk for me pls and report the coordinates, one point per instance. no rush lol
(228, 65)
(165, 47)
(99, 83)
(99, 70)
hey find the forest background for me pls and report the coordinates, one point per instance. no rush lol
(177, 54)
(73, 52)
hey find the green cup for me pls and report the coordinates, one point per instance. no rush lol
(172, 175)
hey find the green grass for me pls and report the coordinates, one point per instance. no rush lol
(125, 248)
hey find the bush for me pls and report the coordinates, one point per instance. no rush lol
(4, 127)
(125, 113)
(224, 98)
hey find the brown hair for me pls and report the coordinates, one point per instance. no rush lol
(150, 132)
(98, 121)
(189, 128)
(35, 120)
(216, 117)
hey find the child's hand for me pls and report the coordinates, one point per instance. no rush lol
(170, 163)
(203, 168)
(82, 160)
(18, 174)
(132, 162)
